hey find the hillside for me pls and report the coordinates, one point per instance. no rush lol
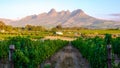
(76, 18)
(6, 21)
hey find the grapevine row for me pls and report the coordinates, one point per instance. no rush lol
(28, 53)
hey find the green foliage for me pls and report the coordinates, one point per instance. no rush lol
(108, 39)
(94, 50)
(28, 53)
(116, 45)
(4, 49)
(34, 28)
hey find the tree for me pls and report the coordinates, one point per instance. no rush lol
(2, 25)
(28, 27)
(34, 28)
(59, 27)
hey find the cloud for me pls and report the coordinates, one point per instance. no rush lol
(115, 14)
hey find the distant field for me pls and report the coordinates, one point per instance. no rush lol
(73, 33)
(59, 37)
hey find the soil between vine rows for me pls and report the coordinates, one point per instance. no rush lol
(68, 57)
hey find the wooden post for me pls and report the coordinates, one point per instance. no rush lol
(109, 56)
(42, 64)
(11, 50)
(108, 38)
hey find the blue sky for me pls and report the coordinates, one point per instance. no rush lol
(15, 9)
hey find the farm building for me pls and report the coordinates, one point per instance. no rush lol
(59, 33)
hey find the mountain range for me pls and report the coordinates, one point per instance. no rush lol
(76, 18)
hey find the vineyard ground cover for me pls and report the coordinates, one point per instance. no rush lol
(68, 57)
(60, 56)
(28, 53)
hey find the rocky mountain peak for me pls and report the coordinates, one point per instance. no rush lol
(76, 18)
(67, 12)
(77, 12)
(52, 12)
(64, 12)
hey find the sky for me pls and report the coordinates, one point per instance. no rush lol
(16, 9)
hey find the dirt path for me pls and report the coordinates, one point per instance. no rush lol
(68, 57)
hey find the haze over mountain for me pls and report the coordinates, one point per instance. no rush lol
(76, 18)
(7, 21)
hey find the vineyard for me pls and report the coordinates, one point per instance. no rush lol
(95, 50)
(30, 53)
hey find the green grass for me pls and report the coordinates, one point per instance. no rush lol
(67, 33)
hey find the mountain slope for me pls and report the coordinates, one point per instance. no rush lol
(76, 18)
(6, 21)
